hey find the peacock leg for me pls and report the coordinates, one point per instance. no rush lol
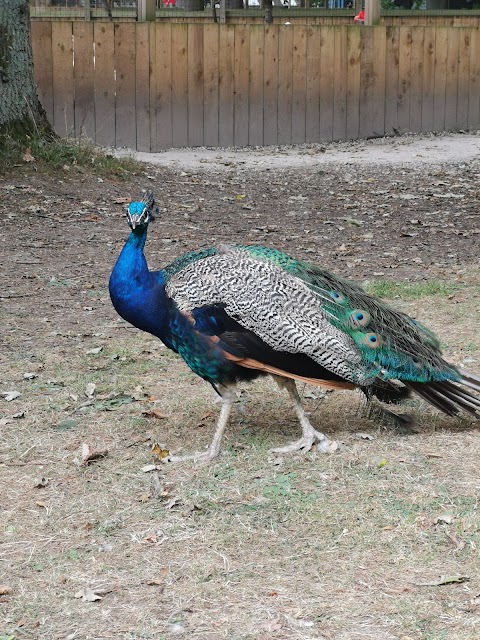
(310, 436)
(228, 397)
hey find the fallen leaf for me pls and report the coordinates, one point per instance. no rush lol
(94, 351)
(157, 486)
(10, 395)
(5, 590)
(40, 484)
(172, 503)
(154, 413)
(150, 467)
(176, 629)
(138, 393)
(382, 463)
(443, 580)
(90, 389)
(87, 595)
(90, 455)
(27, 156)
(159, 452)
(444, 519)
(65, 425)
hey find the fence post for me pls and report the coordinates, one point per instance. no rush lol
(372, 12)
(223, 11)
(146, 10)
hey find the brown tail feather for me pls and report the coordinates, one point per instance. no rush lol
(250, 363)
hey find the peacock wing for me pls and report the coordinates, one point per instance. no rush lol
(269, 303)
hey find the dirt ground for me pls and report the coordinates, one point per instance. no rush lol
(380, 540)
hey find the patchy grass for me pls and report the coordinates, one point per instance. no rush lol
(411, 290)
(51, 154)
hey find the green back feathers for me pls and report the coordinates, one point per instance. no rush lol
(391, 343)
(183, 261)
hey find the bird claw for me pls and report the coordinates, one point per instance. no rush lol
(305, 444)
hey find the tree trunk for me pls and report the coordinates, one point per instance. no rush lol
(20, 110)
(268, 11)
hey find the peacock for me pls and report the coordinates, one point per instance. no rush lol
(236, 312)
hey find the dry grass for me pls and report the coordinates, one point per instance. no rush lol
(252, 547)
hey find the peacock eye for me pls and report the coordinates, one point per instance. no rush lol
(337, 296)
(372, 340)
(359, 318)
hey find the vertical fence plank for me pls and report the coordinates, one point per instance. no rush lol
(474, 86)
(391, 79)
(354, 52)
(63, 103)
(270, 92)
(152, 76)
(126, 129)
(285, 74)
(226, 85)
(441, 43)
(142, 85)
(299, 83)
(404, 79)
(42, 57)
(104, 83)
(211, 55)
(241, 75)
(313, 70)
(195, 85)
(463, 77)
(340, 84)
(451, 86)
(83, 80)
(367, 83)
(327, 56)
(179, 85)
(255, 119)
(165, 47)
(379, 78)
(416, 83)
(428, 78)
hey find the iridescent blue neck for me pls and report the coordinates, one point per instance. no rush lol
(137, 295)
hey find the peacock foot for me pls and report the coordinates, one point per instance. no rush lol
(307, 441)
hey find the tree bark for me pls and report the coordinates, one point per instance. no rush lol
(268, 11)
(20, 110)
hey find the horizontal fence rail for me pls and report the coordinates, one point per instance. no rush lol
(150, 86)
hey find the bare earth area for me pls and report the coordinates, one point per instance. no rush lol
(380, 540)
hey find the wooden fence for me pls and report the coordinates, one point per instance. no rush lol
(150, 86)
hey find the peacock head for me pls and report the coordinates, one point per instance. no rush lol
(139, 214)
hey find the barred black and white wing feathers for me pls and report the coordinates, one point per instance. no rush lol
(267, 303)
